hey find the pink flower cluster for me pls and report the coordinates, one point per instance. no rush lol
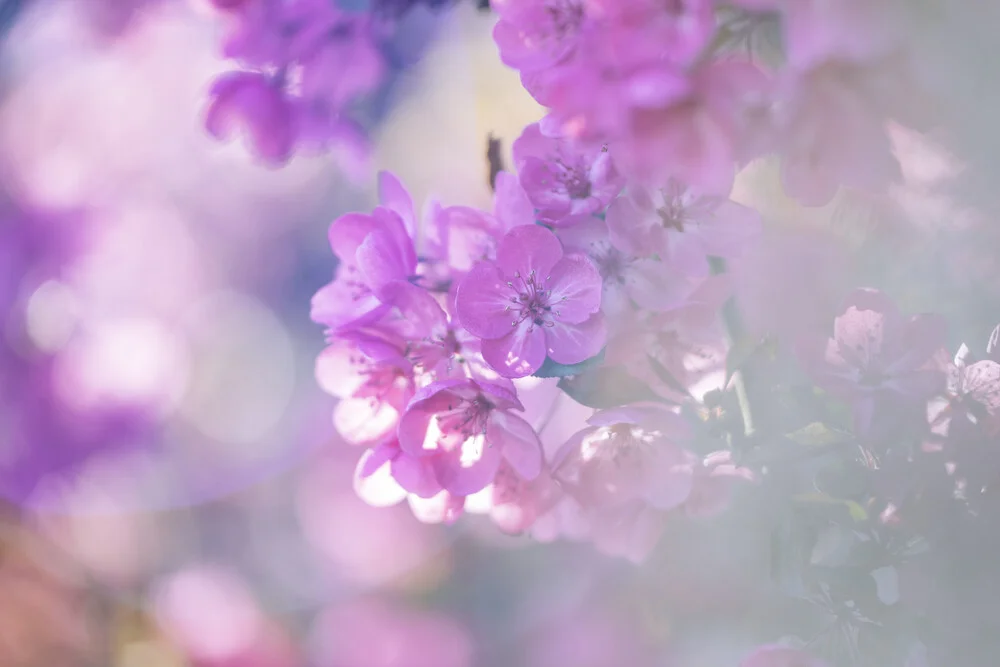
(431, 327)
(303, 66)
(656, 81)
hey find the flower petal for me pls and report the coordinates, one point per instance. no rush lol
(518, 354)
(373, 481)
(394, 196)
(482, 302)
(575, 287)
(472, 471)
(518, 442)
(573, 343)
(526, 249)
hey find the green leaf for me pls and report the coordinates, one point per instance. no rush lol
(857, 512)
(606, 387)
(551, 369)
(818, 434)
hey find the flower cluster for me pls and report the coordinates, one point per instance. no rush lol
(602, 274)
(664, 84)
(568, 277)
(304, 66)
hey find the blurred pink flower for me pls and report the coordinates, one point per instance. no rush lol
(681, 227)
(832, 133)
(372, 632)
(877, 354)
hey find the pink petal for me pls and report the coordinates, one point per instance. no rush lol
(511, 204)
(373, 481)
(463, 478)
(656, 87)
(335, 371)
(339, 306)
(532, 143)
(575, 286)
(518, 354)
(415, 474)
(669, 477)
(348, 232)
(518, 442)
(573, 343)
(633, 231)
(442, 508)
(482, 302)
(528, 249)
(654, 286)
(361, 421)
(379, 260)
(394, 196)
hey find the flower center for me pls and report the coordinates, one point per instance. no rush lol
(672, 214)
(531, 302)
(619, 444)
(575, 180)
(467, 419)
(565, 16)
(612, 264)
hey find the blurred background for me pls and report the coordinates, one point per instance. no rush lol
(173, 490)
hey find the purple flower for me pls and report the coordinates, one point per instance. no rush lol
(533, 301)
(536, 34)
(466, 428)
(649, 283)
(564, 183)
(374, 380)
(375, 252)
(310, 62)
(877, 354)
(255, 103)
(681, 227)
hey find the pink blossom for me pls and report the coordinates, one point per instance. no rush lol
(373, 379)
(311, 62)
(533, 301)
(974, 389)
(649, 283)
(672, 351)
(626, 454)
(385, 475)
(816, 31)
(779, 656)
(516, 503)
(563, 182)
(876, 354)
(371, 632)
(375, 252)
(536, 34)
(679, 226)
(467, 428)
(253, 102)
(832, 134)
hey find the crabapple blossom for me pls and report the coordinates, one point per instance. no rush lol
(564, 183)
(466, 429)
(877, 355)
(533, 301)
(679, 226)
